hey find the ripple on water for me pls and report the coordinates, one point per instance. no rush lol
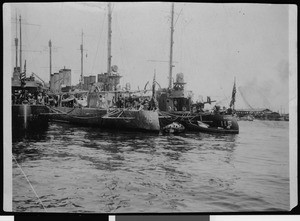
(78, 169)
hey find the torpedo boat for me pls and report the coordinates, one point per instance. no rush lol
(175, 105)
(103, 105)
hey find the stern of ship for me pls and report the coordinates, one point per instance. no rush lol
(31, 117)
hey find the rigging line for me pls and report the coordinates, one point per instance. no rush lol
(28, 43)
(104, 42)
(29, 182)
(181, 50)
(164, 50)
(29, 56)
(61, 9)
(242, 95)
(112, 8)
(178, 16)
(122, 46)
(98, 42)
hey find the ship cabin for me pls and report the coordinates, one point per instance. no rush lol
(29, 90)
(176, 99)
(105, 89)
(108, 82)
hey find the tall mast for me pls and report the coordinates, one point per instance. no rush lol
(109, 39)
(16, 40)
(50, 54)
(81, 49)
(171, 46)
(20, 45)
(234, 94)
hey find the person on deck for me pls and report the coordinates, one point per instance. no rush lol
(39, 98)
(136, 104)
(130, 99)
(217, 109)
(152, 104)
(175, 105)
(46, 99)
(100, 102)
(104, 102)
(31, 100)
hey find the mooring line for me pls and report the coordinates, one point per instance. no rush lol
(29, 182)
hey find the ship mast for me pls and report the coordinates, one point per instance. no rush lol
(81, 49)
(16, 41)
(20, 45)
(50, 53)
(171, 47)
(109, 39)
(234, 94)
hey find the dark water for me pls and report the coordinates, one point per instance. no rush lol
(77, 169)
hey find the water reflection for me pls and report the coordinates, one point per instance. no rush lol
(34, 134)
(108, 171)
(23, 143)
(26, 151)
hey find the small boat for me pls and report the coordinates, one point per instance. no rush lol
(203, 122)
(229, 127)
(173, 128)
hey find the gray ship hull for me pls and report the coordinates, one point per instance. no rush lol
(140, 120)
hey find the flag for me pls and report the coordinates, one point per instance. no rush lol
(153, 87)
(145, 87)
(25, 67)
(233, 95)
(23, 76)
(153, 101)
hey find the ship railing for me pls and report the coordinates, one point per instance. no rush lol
(116, 114)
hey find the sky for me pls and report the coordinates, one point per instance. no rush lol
(213, 44)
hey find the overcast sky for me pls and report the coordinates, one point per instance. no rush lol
(213, 43)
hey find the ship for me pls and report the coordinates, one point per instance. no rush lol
(101, 106)
(92, 108)
(28, 113)
(175, 105)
